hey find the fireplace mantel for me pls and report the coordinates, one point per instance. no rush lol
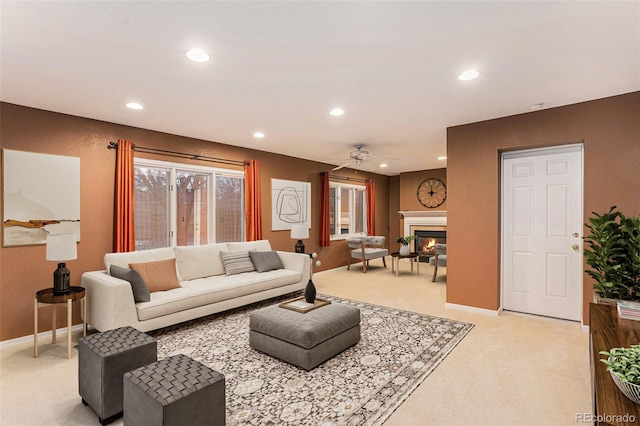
(423, 213)
(423, 218)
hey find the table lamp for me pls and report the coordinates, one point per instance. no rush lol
(299, 232)
(61, 247)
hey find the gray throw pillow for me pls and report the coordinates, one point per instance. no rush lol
(139, 287)
(265, 260)
(236, 262)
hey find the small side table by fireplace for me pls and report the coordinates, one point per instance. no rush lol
(396, 256)
(48, 297)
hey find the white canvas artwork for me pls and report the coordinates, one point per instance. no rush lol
(41, 197)
(290, 204)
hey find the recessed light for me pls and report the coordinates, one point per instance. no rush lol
(197, 55)
(337, 112)
(258, 135)
(383, 165)
(442, 158)
(536, 106)
(133, 105)
(468, 75)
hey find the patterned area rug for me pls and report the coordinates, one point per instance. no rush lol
(361, 386)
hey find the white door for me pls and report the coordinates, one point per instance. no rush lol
(541, 232)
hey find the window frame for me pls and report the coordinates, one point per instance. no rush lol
(212, 173)
(352, 209)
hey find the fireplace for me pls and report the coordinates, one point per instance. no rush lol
(425, 242)
(426, 225)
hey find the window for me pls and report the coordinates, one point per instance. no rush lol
(348, 209)
(192, 205)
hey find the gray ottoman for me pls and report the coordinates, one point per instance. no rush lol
(103, 359)
(174, 391)
(304, 339)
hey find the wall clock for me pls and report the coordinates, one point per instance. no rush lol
(432, 192)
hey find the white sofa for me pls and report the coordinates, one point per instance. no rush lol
(204, 289)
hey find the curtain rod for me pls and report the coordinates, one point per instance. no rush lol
(349, 178)
(114, 145)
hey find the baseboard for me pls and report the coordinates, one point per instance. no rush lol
(473, 309)
(43, 337)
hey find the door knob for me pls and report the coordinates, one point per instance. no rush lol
(575, 247)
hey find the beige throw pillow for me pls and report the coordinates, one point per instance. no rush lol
(199, 261)
(159, 275)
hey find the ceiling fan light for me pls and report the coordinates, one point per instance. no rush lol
(134, 105)
(384, 165)
(258, 135)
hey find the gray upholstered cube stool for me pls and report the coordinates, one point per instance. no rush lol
(177, 390)
(103, 360)
(306, 340)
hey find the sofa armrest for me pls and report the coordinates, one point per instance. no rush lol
(296, 262)
(110, 301)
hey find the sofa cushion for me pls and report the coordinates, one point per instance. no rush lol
(260, 245)
(199, 261)
(205, 291)
(124, 259)
(159, 275)
(236, 262)
(138, 286)
(265, 260)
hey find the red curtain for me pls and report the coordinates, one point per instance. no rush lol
(325, 236)
(371, 206)
(123, 235)
(252, 203)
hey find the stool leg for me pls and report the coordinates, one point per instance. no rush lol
(53, 324)
(69, 311)
(84, 317)
(35, 328)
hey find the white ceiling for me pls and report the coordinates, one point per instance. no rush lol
(279, 67)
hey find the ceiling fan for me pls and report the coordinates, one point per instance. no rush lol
(360, 157)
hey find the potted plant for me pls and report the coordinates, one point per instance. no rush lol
(624, 366)
(405, 241)
(612, 252)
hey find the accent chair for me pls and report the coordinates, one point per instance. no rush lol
(366, 249)
(439, 259)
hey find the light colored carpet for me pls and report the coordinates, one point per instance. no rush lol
(360, 386)
(512, 369)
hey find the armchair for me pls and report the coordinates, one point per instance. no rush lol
(440, 258)
(366, 249)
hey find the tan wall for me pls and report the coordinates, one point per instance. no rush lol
(394, 207)
(408, 196)
(409, 183)
(24, 270)
(610, 131)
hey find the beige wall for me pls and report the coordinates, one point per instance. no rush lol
(24, 270)
(610, 131)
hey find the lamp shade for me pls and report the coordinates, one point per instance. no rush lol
(61, 247)
(299, 232)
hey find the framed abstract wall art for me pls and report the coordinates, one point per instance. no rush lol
(290, 204)
(41, 196)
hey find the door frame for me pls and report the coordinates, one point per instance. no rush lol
(579, 146)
